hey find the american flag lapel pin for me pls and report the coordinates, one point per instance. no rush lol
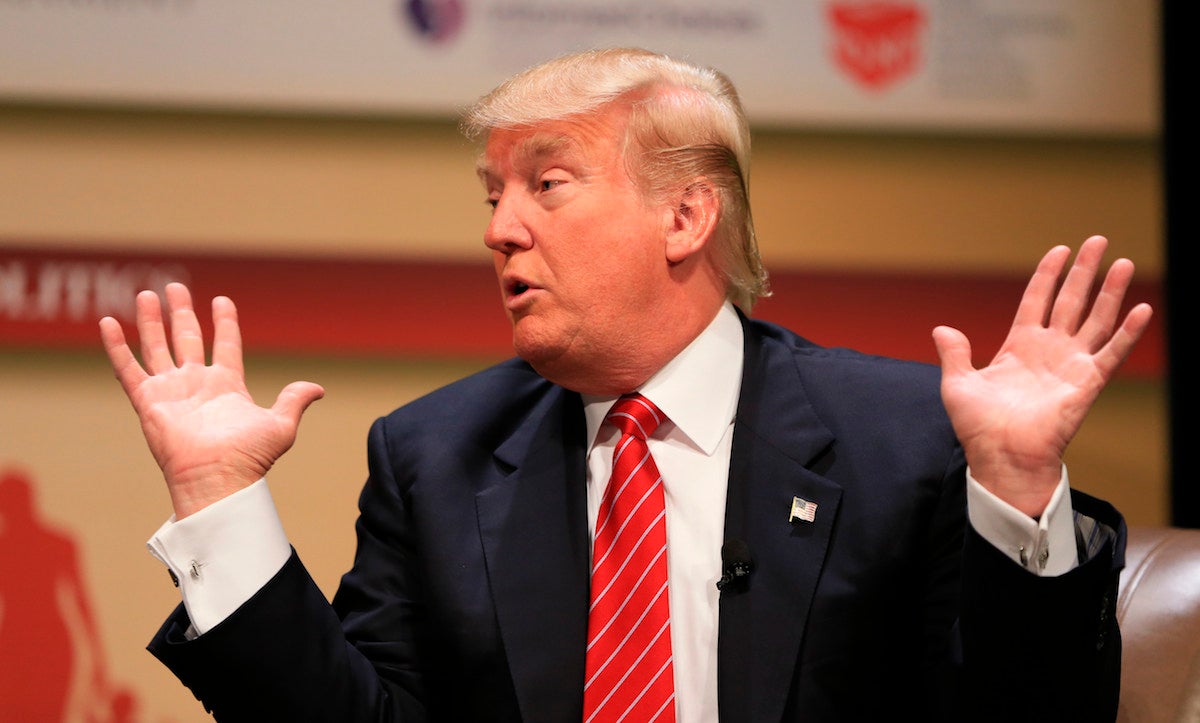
(802, 509)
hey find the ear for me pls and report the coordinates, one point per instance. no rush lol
(693, 220)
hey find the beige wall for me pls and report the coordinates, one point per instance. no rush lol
(124, 180)
(132, 180)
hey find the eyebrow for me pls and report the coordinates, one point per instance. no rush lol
(533, 148)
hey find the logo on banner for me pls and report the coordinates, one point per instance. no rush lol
(434, 20)
(877, 42)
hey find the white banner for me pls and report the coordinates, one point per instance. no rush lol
(1058, 66)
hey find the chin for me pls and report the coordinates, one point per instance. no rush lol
(550, 361)
(537, 350)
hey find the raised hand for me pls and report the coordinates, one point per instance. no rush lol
(1016, 416)
(202, 426)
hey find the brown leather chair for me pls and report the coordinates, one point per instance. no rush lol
(1159, 612)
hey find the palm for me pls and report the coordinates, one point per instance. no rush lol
(1016, 416)
(196, 417)
(1028, 403)
(202, 426)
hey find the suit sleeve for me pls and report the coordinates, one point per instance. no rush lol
(286, 655)
(1042, 648)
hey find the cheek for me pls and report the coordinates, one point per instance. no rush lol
(603, 256)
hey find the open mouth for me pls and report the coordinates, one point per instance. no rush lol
(517, 289)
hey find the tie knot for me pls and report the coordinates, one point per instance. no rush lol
(634, 414)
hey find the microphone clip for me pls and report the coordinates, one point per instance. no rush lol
(736, 564)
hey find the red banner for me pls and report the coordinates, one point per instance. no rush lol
(54, 298)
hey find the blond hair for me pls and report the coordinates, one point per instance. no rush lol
(686, 122)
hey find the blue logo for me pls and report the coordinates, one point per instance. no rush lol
(435, 20)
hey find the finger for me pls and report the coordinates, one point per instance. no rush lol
(128, 372)
(1071, 302)
(156, 355)
(227, 335)
(186, 337)
(954, 351)
(1100, 322)
(1113, 354)
(295, 398)
(1034, 309)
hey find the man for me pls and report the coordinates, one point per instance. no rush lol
(837, 485)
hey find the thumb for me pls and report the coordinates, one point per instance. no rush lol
(954, 350)
(295, 398)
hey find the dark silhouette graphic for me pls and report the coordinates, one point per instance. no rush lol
(48, 634)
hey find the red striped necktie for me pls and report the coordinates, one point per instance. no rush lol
(630, 676)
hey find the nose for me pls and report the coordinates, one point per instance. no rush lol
(507, 231)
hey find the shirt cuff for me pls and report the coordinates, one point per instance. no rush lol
(220, 556)
(1045, 546)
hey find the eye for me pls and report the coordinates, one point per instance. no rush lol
(549, 184)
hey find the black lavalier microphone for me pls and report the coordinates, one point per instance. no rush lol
(736, 562)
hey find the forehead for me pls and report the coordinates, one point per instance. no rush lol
(589, 141)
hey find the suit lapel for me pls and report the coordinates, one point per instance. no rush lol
(776, 435)
(533, 524)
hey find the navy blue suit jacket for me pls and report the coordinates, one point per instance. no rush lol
(469, 592)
